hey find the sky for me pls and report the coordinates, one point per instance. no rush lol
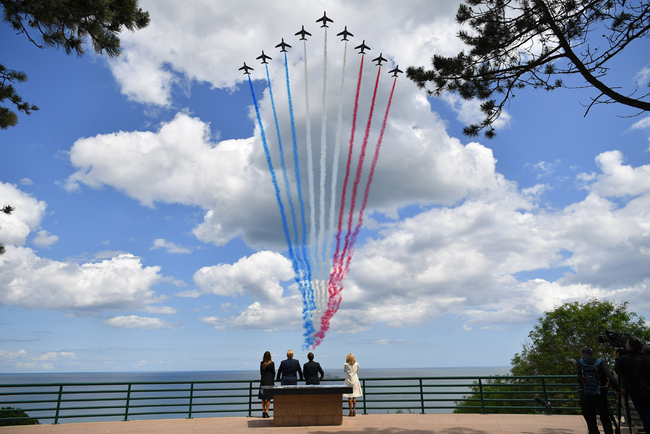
(147, 234)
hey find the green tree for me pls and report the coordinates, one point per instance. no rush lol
(553, 347)
(16, 416)
(64, 24)
(515, 44)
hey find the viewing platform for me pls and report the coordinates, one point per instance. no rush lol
(362, 424)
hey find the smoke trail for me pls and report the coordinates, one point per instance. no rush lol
(308, 322)
(333, 288)
(308, 294)
(332, 206)
(310, 176)
(370, 176)
(357, 180)
(285, 175)
(335, 162)
(318, 248)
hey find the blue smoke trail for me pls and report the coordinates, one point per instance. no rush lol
(308, 295)
(305, 312)
(285, 175)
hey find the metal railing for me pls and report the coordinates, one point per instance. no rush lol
(167, 399)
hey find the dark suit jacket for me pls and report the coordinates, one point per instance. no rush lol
(311, 370)
(288, 368)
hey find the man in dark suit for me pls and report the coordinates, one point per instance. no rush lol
(288, 369)
(311, 370)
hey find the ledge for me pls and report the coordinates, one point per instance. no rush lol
(312, 389)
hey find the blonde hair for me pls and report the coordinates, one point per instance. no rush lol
(350, 360)
(290, 354)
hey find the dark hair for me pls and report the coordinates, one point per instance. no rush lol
(310, 356)
(635, 344)
(266, 359)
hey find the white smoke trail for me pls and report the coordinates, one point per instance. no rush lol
(310, 174)
(335, 166)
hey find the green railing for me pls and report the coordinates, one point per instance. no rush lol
(168, 399)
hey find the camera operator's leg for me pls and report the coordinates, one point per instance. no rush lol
(643, 408)
(588, 405)
(603, 412)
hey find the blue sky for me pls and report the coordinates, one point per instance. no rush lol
(147, 235)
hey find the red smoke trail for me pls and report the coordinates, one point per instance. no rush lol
(367, 192)
(340, 276)
(337, 276)
(332, 305)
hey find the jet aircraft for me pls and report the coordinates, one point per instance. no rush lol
(246, 68)
(345, 34)
(395, 71)
(284, 45)
(379, 60)
(264, 57)
(324, 20)
(363, 46)
(302, 33)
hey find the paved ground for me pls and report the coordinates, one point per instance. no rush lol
(368, 424)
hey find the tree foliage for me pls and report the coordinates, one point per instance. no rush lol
(16, 417)
(553, 347)
(554, 344)
(64, 24)
(6, 210)
(514, 44)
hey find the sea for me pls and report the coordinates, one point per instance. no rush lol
(71, 378)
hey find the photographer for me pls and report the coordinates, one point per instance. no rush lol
(633, 369)
(593, 379)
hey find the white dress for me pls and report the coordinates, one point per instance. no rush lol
(352, 379)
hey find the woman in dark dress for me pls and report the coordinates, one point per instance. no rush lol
(267, 371)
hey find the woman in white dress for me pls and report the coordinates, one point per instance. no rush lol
(351, 369)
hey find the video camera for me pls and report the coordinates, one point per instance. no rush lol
(615, 340)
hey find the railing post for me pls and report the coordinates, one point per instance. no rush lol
(128, 401)
(58, 405)
(421, 396)
(189, 416)
(250, 398)
(363, 387)
(480, 391)
(548, 410)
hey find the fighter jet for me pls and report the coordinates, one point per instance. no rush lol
(345, 34)
(263, 57)
(324, 20)
(302, 33)
(363, 46)
(246, 68)
(379, 60)
(283, 45)
(395, 71)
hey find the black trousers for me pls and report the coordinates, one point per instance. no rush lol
(592, 404)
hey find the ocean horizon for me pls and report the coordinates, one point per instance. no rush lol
(93, 377)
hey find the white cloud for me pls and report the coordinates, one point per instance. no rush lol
(161, 310)
(205, 40)
(44, 239)
(161, 243)
(139, 322)
(24, 360)
(258, 276)
(27, 216)
(38, 283)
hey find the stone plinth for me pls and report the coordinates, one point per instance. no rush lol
(307, 405)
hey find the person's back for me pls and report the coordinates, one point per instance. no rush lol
(312, 370)
(593, 377)
(288, 370)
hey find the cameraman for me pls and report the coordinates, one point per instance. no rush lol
(633, 369)
(592, 401)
